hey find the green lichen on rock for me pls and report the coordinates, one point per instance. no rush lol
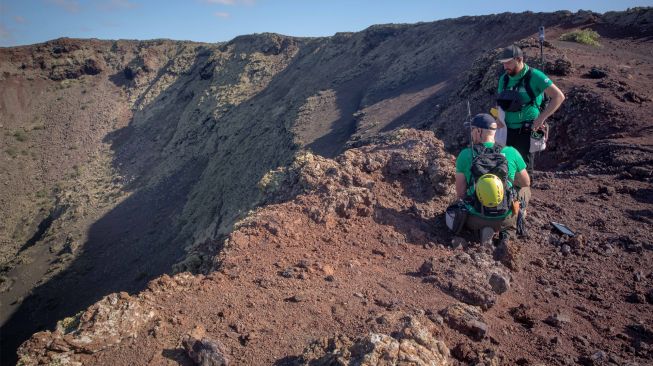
(70, 324)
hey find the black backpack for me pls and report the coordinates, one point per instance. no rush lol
(489, 160)
(509, 100)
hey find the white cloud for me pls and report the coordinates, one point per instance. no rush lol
(19, 19)
(71, 6)
(110, 5)
(221, 14)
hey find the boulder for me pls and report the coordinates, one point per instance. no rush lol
(414, 345)
(465, 319)
(204, 351)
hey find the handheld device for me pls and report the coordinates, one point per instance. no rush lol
(562, 228)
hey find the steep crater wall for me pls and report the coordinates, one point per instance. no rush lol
(172, 138)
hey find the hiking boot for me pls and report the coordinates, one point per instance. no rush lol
(521, 225)
(486, 235)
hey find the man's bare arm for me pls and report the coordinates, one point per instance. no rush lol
(557, 97)
(461, 185)
(522, 179)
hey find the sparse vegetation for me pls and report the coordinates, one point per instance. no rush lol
(12, 152)
(38, 127)
(24, 361)
(584, 36)
(20, 135)
(77, 171)
(69, 324)
(67, 83)
(272, 180)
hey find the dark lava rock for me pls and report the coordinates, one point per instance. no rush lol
(91, 67)
(565, 249)
(499, 283)
(636, 297)
(557, 320)
(596, 73)
(205, 352)
(560, 67)
(609, 190)
(597, 358)
(649, 296)
(466, 319)
(523, 315)
(207, 71)
(426, 268)
(288, 273)
(633, 97)
(464, 352)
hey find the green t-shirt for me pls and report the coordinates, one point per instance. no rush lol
(538, 82)
(464, 165)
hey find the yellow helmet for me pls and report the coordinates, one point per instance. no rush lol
(489, 190)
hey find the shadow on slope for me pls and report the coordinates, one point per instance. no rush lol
(126, 248)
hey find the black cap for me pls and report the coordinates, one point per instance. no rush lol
(484, 121)
(509, 53)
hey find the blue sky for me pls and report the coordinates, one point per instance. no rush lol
(33, 21)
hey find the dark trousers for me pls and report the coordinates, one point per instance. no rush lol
(520, 139)
(475, 223)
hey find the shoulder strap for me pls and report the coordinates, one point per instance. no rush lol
(527, 86)
(505, 81)
(481, 149)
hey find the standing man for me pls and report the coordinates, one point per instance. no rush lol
(521, 93)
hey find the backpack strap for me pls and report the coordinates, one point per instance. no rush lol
(505, 81)
(497, 148)
(527, 86)
(524, 80)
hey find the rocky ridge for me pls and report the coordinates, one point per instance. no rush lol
(194, 111)
(346, 257)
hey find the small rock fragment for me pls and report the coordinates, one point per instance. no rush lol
(565, 249)
(204, 351)
(499, 283)
(427, 267)
(557, 320)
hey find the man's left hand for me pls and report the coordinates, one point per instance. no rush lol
(537, 124)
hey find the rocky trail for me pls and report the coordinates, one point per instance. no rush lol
(361, 250)
(185, 222)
